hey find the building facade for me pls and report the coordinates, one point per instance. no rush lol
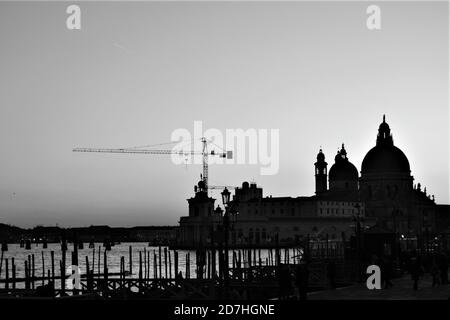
(383, 195)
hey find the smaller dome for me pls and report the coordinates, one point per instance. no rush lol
(342, 169)
(245, 185)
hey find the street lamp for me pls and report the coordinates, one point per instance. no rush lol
(226, 222)
(357, 219)
(225, 197)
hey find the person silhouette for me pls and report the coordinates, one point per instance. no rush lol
(416, 272)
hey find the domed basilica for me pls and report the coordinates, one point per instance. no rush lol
(382, 198)
(385, 186)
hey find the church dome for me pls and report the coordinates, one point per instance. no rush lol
(385, 157)
(342, 169)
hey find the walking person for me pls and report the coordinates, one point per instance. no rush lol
(434, 270)
(387, 273)
(285, 282)
(416, 272)
(331, 273)
(301, 280)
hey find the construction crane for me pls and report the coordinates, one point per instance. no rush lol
(205, 154)
(222, 187)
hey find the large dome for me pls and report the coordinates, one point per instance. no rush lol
(385, 157)
(342, 169)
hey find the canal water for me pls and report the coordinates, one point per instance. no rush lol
(42, 259)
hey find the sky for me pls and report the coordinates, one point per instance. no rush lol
(136, 72)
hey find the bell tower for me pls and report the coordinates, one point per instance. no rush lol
(321, 173)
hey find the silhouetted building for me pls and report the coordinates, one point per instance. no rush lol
(383, 196)
(258, 220)
(386, 187)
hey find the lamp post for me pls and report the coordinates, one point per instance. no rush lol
(357, 219)
(226, 224)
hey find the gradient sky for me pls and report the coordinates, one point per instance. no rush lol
(137, 71)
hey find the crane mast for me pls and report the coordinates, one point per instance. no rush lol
(205, 163)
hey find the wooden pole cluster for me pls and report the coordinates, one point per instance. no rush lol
(244, 262)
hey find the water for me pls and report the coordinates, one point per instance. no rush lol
(43, 259)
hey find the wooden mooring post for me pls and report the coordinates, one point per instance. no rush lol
(188, 266)
(155, 268)
(6, 274)
(99, 253)
(93, 258)
(105, 272)
(170, 265)
(130, 257)
(145, 264)
(176, 263)
(165, 262)
(13, 271)
(140, 271)
(52, 258)
(160, 265)
(33, 271)
(27, 284)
